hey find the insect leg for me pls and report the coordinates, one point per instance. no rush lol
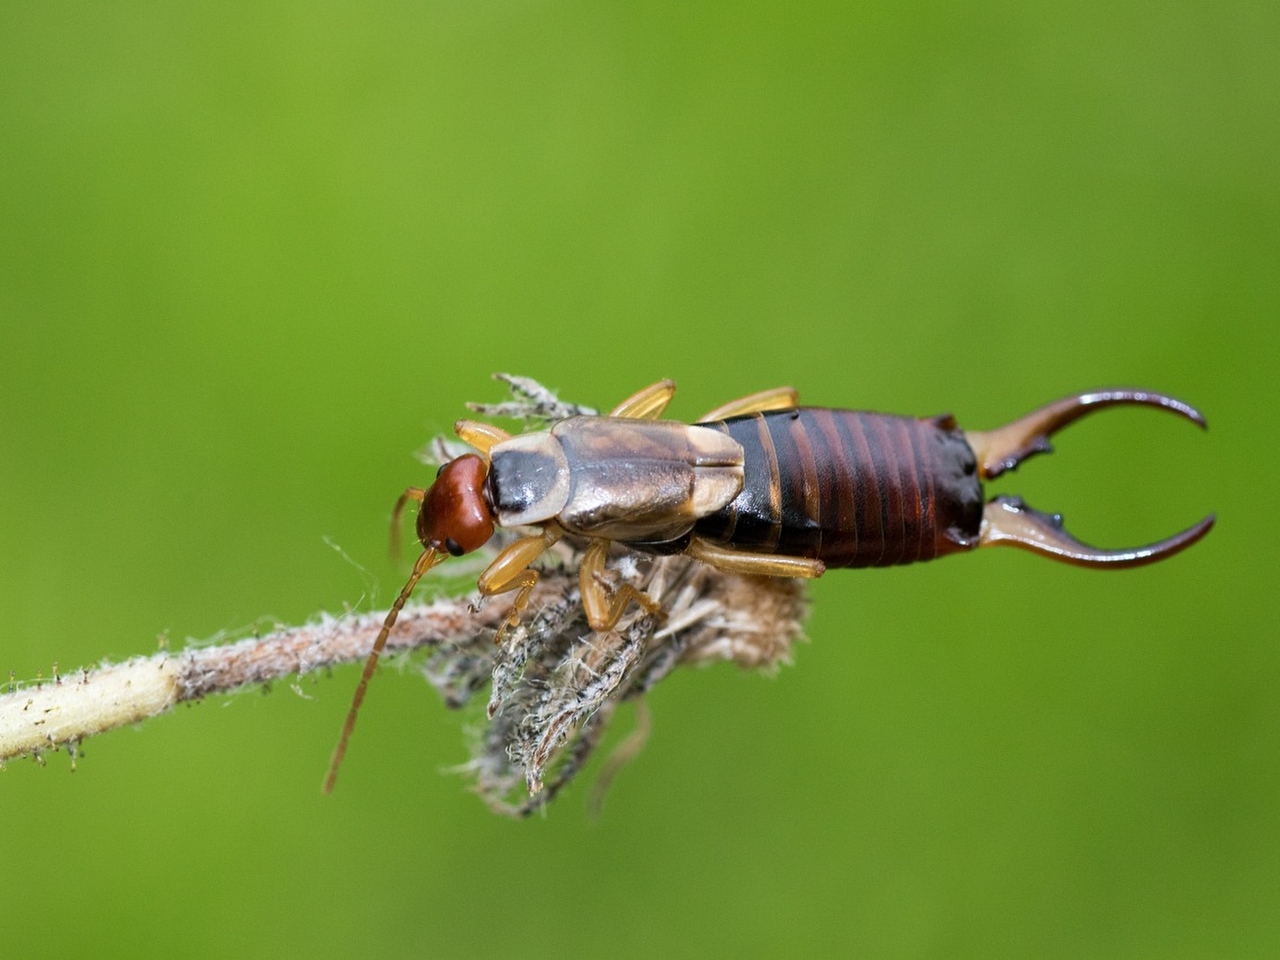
(754, 564)
(510, 570)
(648, 404)
(482, 436)
(604, 611)
(779, 398)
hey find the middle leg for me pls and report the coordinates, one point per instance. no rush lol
(603, 611)
(779, 398)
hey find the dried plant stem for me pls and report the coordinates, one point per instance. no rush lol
(553, 685)
(68, 708)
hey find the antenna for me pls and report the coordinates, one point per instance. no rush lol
(430, 557)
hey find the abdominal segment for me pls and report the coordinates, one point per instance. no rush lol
(849, 488)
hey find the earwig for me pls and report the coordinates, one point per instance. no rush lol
(758, 486)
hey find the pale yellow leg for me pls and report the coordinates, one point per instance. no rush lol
(604, 611)
(648, 404)
(754, 564)
(482, 436)
(510, 570)
(779, 398)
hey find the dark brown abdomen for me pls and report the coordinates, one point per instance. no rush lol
(849, 488)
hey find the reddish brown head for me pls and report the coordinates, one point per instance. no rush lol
(455, 514)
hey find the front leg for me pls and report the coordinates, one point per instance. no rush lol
(482, 436)
(510, 570)
(647, 404)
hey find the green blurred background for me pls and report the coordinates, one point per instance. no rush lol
(253, 257)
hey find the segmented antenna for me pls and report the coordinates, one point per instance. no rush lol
(425, 562)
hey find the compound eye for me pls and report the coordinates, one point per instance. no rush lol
(454, 548)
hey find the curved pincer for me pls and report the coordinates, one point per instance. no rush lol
(1005, 447)
(1009, 521)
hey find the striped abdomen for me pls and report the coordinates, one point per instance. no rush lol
(849, 488)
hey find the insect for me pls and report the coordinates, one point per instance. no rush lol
(759, 486)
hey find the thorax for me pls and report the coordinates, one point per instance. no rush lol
(617, 478)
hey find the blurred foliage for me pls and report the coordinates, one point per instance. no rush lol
(254, 256)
